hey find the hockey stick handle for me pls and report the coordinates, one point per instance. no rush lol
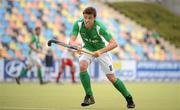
(68, 46)
(88, 52)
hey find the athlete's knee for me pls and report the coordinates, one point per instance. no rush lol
(39, 66)
(29, 67)
(83, 65)
(62, 67)
(73, 68)
(111, 77)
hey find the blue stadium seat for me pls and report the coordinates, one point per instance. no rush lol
(28, 24)
(121, 41)
(48, 33)
(6, 39)
(11, 53)
(16, 4)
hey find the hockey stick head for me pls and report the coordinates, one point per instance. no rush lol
(49, 43)
(62, 44)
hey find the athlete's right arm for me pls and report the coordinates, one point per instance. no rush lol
(74, 34)
(73, 40)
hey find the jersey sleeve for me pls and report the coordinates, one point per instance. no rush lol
(105, 33)
(75, 29)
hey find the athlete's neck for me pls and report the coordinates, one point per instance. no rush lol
(90, 26)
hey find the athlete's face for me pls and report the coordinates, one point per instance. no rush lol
(89, 20)
(38, 31)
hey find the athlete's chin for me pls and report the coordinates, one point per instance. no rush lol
(87, 26)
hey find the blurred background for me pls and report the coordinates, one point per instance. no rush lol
(147, 32)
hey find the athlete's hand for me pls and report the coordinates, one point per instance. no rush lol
(79, 50)
(96, 53)
(37, 50)
(40, 51)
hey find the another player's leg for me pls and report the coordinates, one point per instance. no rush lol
(119, 85)
(47, 74)
(85, 80)
(39, 71)
(73, 77)
(61, 69)
(73, 74)
(36, 61)
(60, 73)
(22, 74)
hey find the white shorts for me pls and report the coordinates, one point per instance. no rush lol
(104, 60)
(34, 59)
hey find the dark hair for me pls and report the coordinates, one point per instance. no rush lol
(37, 28)
(90, 10)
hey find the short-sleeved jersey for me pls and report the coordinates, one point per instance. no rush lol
(35, 41)
(94, 38)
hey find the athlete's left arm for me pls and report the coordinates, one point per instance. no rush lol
(103, 31)
(111, 45)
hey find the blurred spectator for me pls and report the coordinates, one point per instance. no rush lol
(49, 62)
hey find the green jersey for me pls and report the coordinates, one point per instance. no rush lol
(94, 38)
(35, 41)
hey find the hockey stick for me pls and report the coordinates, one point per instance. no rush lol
(68, 46)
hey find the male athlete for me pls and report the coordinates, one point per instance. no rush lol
(94, 34)
(33, 59)
(67, 60)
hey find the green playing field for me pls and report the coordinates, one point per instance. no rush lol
(67, 96)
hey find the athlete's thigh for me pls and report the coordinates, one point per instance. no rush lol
(86, 57)
(34, 59)
(105, 62)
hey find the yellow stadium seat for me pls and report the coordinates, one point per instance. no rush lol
(56, 32)
(41, 5)
(50, 25)
(19, 24)
(42, 39)
(23, 3)
(82, 7)
(65, 12)
(27, 38)
(12, 45)
(13, 17)
(128, 48)
(140, 35)
(122, 27)
(71, 19)
(106, 15)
